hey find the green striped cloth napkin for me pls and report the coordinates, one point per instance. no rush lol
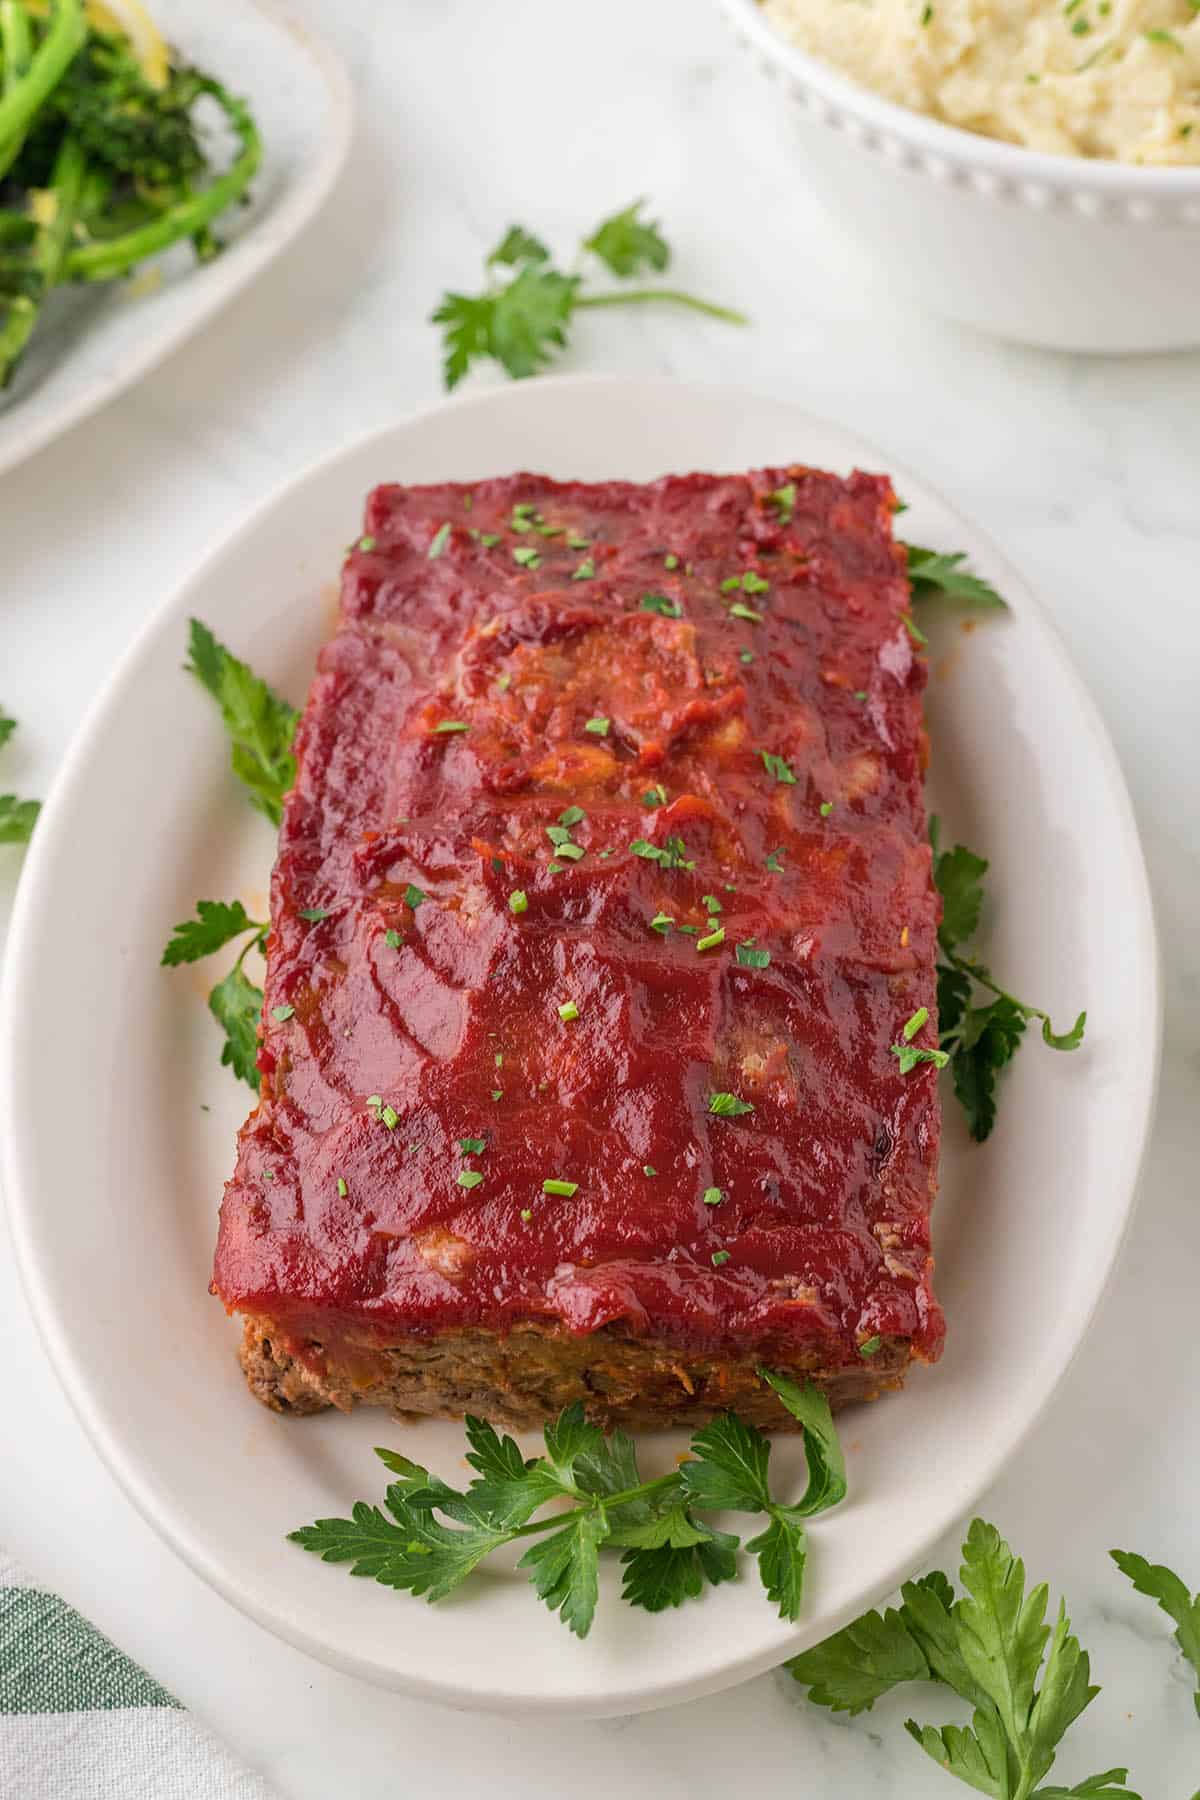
(79, 1721)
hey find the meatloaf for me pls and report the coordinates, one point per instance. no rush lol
(602, 909)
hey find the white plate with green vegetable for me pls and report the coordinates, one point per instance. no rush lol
(117, 1119)
(150, 166)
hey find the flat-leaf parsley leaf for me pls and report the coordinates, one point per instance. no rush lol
(520, 322)
(1027, 1682)
(261, 726)
(979, 1039)
(669, 1554)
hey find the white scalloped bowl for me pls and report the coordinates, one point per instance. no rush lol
(1068, 253)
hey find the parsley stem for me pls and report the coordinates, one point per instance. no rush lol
(601, 1501)
(674, 297)
(258, 926)
(967, 966)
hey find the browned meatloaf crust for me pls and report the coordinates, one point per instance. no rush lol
(524, 1379)
(603, 905)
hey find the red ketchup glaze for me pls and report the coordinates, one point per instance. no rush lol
(592, 640)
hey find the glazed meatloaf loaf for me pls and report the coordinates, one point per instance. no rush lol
(603, 905)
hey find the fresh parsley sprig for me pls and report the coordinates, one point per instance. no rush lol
(1159, 1583)
(524, 312)
(1027, 1682)
(930, 573)
(261, 726)
(669, 1554)
(17, 817)
(979, 1039)
(236, 1003)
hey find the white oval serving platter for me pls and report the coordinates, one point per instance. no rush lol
(117, 1123)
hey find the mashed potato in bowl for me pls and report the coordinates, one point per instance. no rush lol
(1103, 78)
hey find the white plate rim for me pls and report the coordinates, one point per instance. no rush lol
(18, 989)
(255, 251)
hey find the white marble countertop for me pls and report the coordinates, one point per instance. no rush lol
(1086, 471)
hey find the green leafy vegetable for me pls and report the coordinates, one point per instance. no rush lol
(236, 1004)
(627, 244)
(783, 499)
(522, 321)
(103, 163)
(1159, 1583)
(17, 817)
(778, 767)
(216, 924)
(978, 1040)
(1027, 1682)
(519, 246)
(929, 573)
(728, 1106)
(668, 1553)
(671, 855)
(912, 1054)
(260, 725)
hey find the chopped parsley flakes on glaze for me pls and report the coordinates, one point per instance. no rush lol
(728, 1106)
(778, 767)
(783, 499)
(913, 1025)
